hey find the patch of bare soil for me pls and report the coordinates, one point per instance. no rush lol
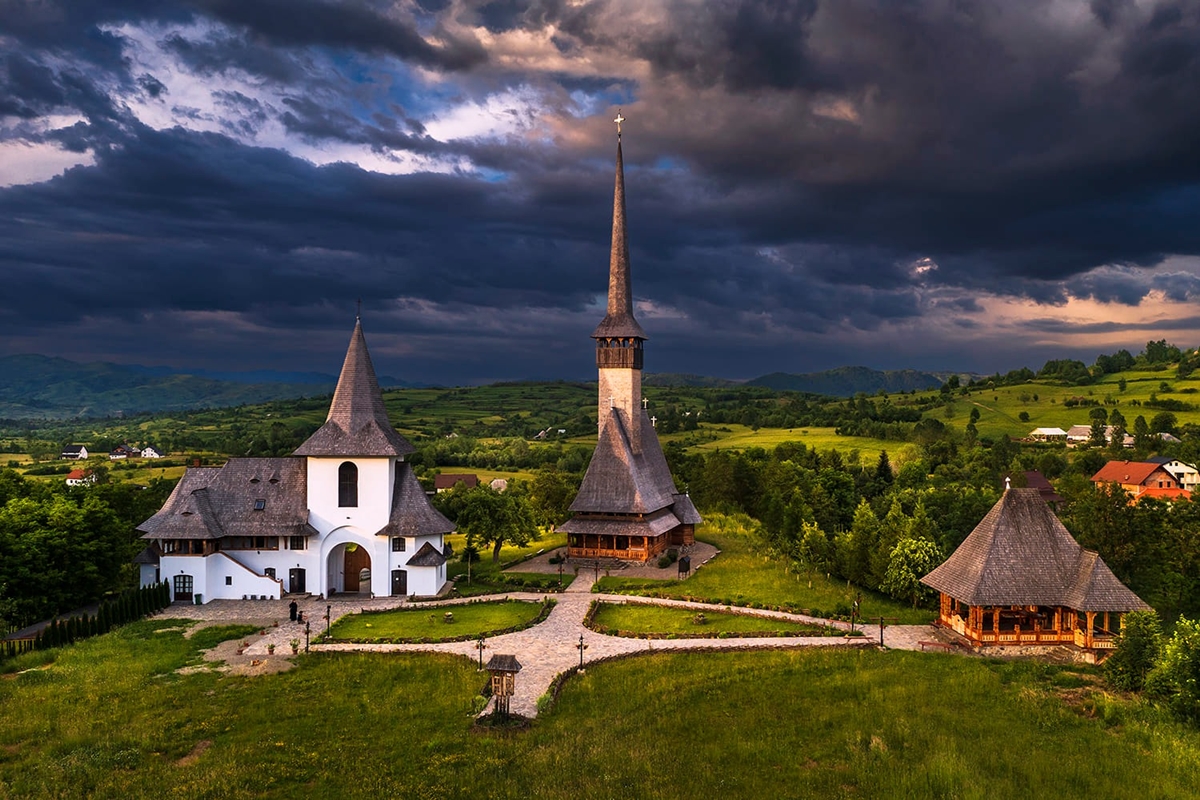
(194, 756)
(226, 657)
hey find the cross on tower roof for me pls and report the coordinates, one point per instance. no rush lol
(619, 120)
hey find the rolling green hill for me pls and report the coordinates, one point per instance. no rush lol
(849, 381)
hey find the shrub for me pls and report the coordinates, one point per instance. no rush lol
(1138, 649)
(1176, 677)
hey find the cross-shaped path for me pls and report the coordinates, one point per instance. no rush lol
(552, 646)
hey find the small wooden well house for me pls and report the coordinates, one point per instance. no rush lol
(504, 671)
(1020, 578)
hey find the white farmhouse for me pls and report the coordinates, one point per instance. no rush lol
(343, 514)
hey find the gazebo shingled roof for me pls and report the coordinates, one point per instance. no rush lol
(1021, 554)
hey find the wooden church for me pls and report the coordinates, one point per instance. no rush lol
(628, 507)
(1020, 578)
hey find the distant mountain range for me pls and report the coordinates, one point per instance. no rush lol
(849, 381)
(34, 386)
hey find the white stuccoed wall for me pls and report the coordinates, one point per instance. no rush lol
(375, 480)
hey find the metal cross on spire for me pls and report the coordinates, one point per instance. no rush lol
(619, 120)
(358, 309)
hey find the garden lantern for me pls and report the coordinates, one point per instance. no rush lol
(504, 671)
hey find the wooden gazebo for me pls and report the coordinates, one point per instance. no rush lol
(1020, 578)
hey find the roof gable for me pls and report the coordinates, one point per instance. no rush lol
(1128, 472)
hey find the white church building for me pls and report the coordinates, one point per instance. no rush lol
(343, 514)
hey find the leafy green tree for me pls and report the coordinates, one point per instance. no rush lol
(496, 518)
(1164, 422)
(1138, 650)
(910, 560)
(864, 539)
(892, 529)
(551, 493)
(1175, 679)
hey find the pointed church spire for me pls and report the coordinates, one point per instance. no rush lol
(357, 424)
(619, 321)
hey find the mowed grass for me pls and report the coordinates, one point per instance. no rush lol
(684, 622)
(742, 575)
(110, 718)
(468, 620)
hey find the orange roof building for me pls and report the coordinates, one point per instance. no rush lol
(1139, 477)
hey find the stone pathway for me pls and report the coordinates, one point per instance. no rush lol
(544, 650)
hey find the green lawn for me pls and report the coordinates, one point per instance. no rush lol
(686, 622)
(740, 437)
(111, 719)
(471, 619)
(741, 575)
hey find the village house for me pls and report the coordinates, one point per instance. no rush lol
(1020, 579)
(343, 514)
(1047, 435)
(627, 507)
(1082, 434)
(75, 452)
(445, 481)
(1141, 479)
(1187, 475)
(150, 451)
(123, 451)
(81, 477)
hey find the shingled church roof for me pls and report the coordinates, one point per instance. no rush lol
(619, 481)
(211, 502)
(1021, 554)
(619, 322)
(357, 424)
(412, 515)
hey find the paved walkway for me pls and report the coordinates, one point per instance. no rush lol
(544, 650)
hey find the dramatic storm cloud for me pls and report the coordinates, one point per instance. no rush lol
(933, 184)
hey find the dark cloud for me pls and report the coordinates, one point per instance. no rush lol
(829, 172)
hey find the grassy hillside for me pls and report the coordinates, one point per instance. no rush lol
(110, 717)
(1046, 403)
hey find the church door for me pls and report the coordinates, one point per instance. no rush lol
(183, 588)
(399, 583)
(296, 581)
(357, 563)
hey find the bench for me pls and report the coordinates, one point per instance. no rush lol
(936, 645)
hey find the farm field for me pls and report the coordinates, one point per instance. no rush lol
(741, 575)
(111, 718)
(731, 436)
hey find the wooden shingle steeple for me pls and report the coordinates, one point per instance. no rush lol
(357, 424)
(627, 506)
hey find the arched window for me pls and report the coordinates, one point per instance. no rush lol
(348, 485)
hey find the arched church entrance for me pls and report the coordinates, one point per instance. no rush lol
(350, 569)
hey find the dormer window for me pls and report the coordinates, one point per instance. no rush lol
(348, 485)
(260, 504)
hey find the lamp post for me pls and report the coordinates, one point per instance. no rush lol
(307, 629)
(328, 617)
(581, 647)
(479, 644)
